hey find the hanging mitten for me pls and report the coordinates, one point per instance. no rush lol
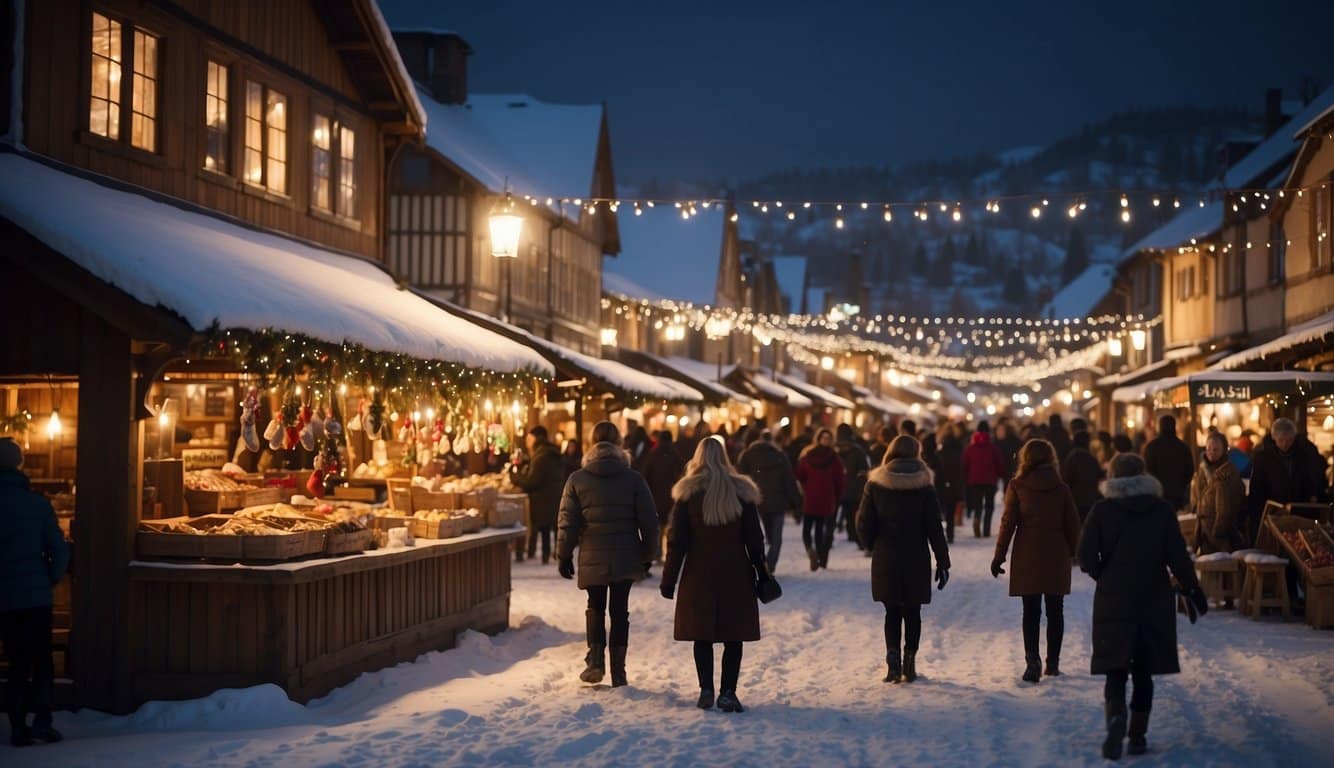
(249, 430)
(291, 424)
(274, 433)
(315, 484)
(307, 430)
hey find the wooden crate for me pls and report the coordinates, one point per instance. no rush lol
(1303, 527)
(1320, 606)
(160, 543)
(1189, 526)
(448, 528)
(509, 510)
(365, 493)
(338, 542)
(385, 522)
(472, 523)
(423, 498)
(400, 494)
(282, 546)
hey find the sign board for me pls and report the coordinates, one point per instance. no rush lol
(203, 458)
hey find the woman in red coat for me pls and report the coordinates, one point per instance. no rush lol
(821, 475)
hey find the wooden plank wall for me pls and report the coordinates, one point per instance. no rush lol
(196, 631)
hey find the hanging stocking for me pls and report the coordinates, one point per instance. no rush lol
(307, 428)
(291, 424)
(249, 430)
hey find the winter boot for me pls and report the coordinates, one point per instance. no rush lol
(705, 698)
(977, 526)
(48, 735)
(20, 735)
(1033, 670)
(1116, 729)
(596, 665)
(909, 666)
(895, 668)
(617, 666)
(1053, 668)
(728, 702)
(1139, 728)
(815, 558)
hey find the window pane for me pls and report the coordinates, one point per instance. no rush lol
(104, 83)
(143, 121)
(215, 118)
(254, 133)
(276, 142)
(347, 175)
(320, 167)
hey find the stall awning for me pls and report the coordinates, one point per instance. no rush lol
(1137, 375)
(1228, 387)
(1315, 331)
(772, 390)
(815, 393)
(703, 377)
(881, 403)
(213, 272)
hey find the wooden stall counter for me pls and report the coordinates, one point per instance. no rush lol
(314, 625)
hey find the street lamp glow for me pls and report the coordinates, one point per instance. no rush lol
(506, 227)
(1138, 339)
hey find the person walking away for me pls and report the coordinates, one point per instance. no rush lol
(1040, 517)
(1058, 437)
(949, 480)
(33, 558)
(607, 514)
(1082, 471)
(1008, 443)
(876, 453)
(855, 466)
(543, 480)
(982, 469)
(1217, 496)
(662, 468)
(799, 444)
(822, 480)
(716, 547)
(767, 465)
(1168, 460)
(899, 521)
(1130, 542)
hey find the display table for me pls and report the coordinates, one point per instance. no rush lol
(313, 625)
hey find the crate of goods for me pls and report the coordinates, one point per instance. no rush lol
(425, 498)
(1189, 525)
(400, 494)
(344, 539)
(204, 502)
(385, 519)
(367, 493)
(1306, 543)
(510, 509)
(281, 545)
(473, 520)
(436, 524)
(211, 537)
(270, 495)
(482, 499)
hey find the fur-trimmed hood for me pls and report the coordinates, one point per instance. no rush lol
(902, 475)
(606, 459)
(743, 486)
(1136, 485)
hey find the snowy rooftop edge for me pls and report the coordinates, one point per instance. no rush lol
(1306, 332)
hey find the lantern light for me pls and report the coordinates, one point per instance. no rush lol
(1138, 339)
(506, 227)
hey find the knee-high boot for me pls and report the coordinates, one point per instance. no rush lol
(595, 661)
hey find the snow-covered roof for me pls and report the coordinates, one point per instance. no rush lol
(211, 271)
(776, 391)
(815, 393)
(1302, 131)
(790, 272)
(1275, 149)
(885, 404)
(1305, 333)
(707, 374)
(1249, 384)
(625, 287)
(382, 32)
(1081, 295)
(1136, 374)
(671, 256)
(1194, 222)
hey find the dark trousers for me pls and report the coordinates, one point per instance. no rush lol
(1033, 623)
(27, 638)
(731, 665)
(903, 620)
(1114, 691)
(545, 533)
(982, 502)
(817, 533)
(773, 537)
(620, 614)
(847, 512)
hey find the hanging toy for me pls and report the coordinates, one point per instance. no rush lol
(273, 433)
(332, 428)
(291, 424)
(249, 407)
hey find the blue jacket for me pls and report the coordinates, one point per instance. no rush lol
(33, 552)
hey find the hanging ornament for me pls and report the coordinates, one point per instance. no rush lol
(291, 418)
(249, 407)
(374, 420)
(273, 433)
(307, 435)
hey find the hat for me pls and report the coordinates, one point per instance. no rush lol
(11, 455)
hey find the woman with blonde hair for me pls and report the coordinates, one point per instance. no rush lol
(899, 522)
(716, 545)
(1040, 516)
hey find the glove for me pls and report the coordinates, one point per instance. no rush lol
(566, 568)
(1197, 604)
(667, 589)
(996, 569)
(942, 577)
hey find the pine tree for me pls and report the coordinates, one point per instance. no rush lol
(919, 265)
(1015, 291)
(942, 269)
(1076, 256)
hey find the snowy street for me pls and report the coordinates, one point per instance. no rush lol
(1252, 693)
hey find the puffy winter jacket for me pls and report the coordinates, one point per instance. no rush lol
(767, 465)
(607, 513)
(33, 552)
(982, 461)
(822, 480)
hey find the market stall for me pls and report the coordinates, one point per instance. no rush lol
(784, 406)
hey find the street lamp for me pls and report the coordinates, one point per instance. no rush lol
(1138, 340)
(506, 227)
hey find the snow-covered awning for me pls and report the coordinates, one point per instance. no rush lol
(775, 391)
(1231, 387)
(1132, 376)
(815, 393)
(1307, 333)
(707, 375)
(885, 404)
(214, 272)
(1194, 222)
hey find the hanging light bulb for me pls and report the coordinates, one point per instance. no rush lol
(53, 426)
(1036, 212)
(1114, 347)
(838, 223)
(958, 214)
(1138, 339)
(1125, 217)
(888, 215)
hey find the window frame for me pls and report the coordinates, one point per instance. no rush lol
(258, 77)
(149, 24)
(338, 121)
(229, 65)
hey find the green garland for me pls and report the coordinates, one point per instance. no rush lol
(17, 423)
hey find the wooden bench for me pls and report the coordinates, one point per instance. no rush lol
(1266, 586)
(1221, 580)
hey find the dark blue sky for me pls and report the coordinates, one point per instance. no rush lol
(707, 90)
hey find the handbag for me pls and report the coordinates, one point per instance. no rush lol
(768, 590)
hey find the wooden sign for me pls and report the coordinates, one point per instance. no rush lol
(203, 458)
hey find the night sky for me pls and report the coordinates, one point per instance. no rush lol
(702, 92)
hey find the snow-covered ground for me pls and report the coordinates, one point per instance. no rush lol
(1252, 694)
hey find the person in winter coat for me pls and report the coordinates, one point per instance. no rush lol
(662, 468)
(637, 444)
(543, 480)
(1287, 468)
(876, 453)
(822, 481)
(1040, 517)
(1168, 459)
(899, 521)
(1217, 496)
(1082, 471)
(33, 558)
(949, 480)
(607, 513)
(799, 444)
(1058, 437)
(855, 466)
(767, 465)
(1130, 541)
(983, 467)
(1008, 443)
(716, 546)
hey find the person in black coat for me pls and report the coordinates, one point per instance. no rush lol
(876, 453)
(1058, 437)
(662, 467)
(544, 481)
(899, 521)
(855, 466)
(1287, 468)
(1008, 443)
(1082, 471)
(767, 465)
(1169, 460)
(950, 445)
(1130, 542)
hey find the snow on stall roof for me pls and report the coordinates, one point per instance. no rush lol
(1302, 131)
(674, 258)
(886, 404)
(1307, 332)
(708, 373)
(1135, 374)
(1081, 295)
(775, 390)
(1138, 392)
(1275, 149)
(625, 287)
(790, 271)
(1194, 222)
(386, 36)
(814, 392)
(211, 271)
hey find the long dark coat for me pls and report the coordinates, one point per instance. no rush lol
(899, 520)
(543, 481)
(1218, 498)
(949, 480)
(767, 465)
(1039, 514)
(1169, 460)
(1082, 472)
(33, 552)
(662, 468)
(855, 466)
(1298, 475)
(1130, 541)
(822, 481)
(717, 564)
(607, 513)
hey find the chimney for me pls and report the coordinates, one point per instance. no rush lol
(1273, 110)
(437, 59)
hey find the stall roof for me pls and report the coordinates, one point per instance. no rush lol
(816, 393)
(214, 272)
(775, 391)
(1128, 377)
(1306, 333)
(707, 373)
(883, 403)
(1233, 386)
(1194, 222)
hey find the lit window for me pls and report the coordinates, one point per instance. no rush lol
(347, 174)
(266, 138)
(215, 118)
(333, 167)
(321, 166)
(143, 120)
(104, 97)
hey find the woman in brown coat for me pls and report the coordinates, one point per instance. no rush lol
(1217, 496)
(1040, 516)
(716, 545)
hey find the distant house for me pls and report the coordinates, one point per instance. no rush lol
(549, 157)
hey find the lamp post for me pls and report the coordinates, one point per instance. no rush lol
(506, 227)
